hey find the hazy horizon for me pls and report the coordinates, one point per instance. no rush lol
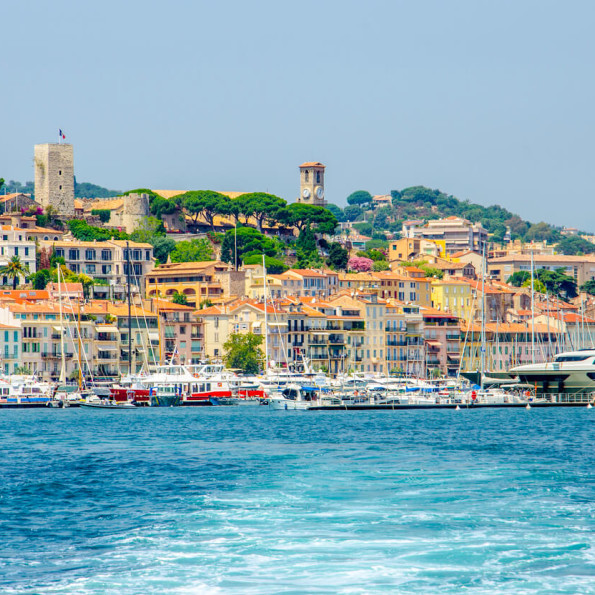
(487, 102)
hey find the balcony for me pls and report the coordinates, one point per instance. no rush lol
(313, 341)
(354, 326)
(395, 343)
(453, 337)
(55, 355)
(337, 339)
(318, 356)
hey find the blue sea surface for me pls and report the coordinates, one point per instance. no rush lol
(248, 500)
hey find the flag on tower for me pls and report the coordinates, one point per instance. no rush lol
(61, 134)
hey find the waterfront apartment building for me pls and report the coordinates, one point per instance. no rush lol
(454, 296)
(455, 233)
(442, 342)
(181, 336)
(581, 268)
(10, 346)
(107, 262)
(507, 345)
(198, 281)
(43, 335)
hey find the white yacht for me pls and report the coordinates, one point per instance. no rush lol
(569, 372)
(297, 397)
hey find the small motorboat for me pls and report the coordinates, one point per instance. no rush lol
(96, 403)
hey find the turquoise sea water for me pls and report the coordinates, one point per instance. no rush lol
(242, 500)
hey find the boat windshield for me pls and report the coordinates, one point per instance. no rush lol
(572, 358)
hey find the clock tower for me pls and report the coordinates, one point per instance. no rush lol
(312, 184)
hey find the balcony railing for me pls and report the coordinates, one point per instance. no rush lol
(336, 339)
(55, 355)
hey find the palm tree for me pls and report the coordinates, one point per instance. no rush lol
(14, 269)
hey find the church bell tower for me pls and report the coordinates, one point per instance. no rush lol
(312, 184)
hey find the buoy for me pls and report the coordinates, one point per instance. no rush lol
(457, 408)
(589, 406)
(528, 406)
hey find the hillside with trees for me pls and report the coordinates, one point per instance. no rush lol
(419, 202)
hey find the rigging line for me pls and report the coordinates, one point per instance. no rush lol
(72, 338)
(148, 349)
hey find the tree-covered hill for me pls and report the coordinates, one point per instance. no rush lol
(81, 190)
(419, 202)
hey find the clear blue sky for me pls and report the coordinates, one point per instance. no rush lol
(489, 101)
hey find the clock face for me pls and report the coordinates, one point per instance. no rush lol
(306, 193)
(319, 192)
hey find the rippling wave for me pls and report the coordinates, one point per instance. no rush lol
(242, 500)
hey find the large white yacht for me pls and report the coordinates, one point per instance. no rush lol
(568, 372)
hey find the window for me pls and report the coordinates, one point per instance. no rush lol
(90, 254)
(318, 177)
(73, 254)
(60, 187)
(307, 176)
(106, 255)
(26, 251)
(59, 172)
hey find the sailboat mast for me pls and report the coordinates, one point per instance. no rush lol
(483, 317)
(532, 310)
(129, 309)
(80, 357)
(62, 353)
(266, 320)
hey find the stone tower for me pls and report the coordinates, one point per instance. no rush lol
(54, 177)
(136, 207)
(312, 183)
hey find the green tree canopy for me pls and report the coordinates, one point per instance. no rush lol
(352, 212)
(242, 352)
(589, 287)
(301, 216)
(274, 265)
(261, 206)
(40, 279)
(542, 231)
(162, 247)
(337, 256)
(148, 230)
(558, 283)
(517, 279)
(249, 242)
(180, 298)
(336, 211)
(14, 269)
(205, 203)
(572, 245)
(87, 190)
(359, 197)
(81, 230)
(196, 250)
